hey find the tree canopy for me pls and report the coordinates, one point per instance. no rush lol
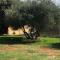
(40, 15)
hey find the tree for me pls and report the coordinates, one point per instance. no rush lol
(3, 6)
(40, 17)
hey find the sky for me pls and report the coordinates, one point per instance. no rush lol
(57, 2)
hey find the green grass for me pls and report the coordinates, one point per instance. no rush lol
(47, 41)
(24, 56)
(29, 51)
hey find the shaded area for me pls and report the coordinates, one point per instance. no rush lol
(55, 46)
(15, 40)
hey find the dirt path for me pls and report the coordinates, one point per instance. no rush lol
(35, 49)
(50, 52)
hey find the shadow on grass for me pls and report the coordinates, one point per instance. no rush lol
(55, 46)
(15, 40)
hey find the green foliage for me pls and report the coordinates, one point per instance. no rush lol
(15, 40)
(41, 17)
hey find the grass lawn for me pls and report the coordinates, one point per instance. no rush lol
(42, 49)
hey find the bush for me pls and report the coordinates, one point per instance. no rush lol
(14, 40)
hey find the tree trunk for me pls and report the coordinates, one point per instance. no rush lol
(25, 33)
